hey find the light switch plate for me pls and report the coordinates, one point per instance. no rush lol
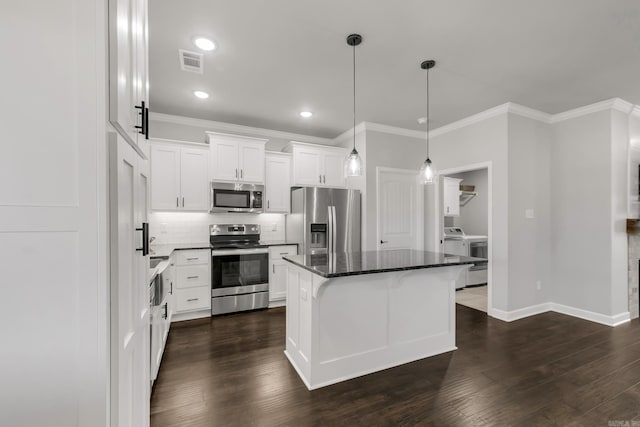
(529, 214)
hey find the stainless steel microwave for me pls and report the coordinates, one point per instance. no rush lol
(236, 197)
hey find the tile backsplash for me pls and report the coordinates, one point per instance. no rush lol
(193, 227)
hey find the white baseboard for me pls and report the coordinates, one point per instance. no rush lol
(510, 316)
(521, 313)
(615, 320)
(278, 303)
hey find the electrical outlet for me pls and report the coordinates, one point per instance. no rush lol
(539, 285)
(274, 226)
(529, 214)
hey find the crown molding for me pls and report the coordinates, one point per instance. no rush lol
(467, 121)
(348, 134)
(529, 113)
(213, 126)
(636, 111)
(393, 130)
(609, 104)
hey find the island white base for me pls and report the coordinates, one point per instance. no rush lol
(346, 327)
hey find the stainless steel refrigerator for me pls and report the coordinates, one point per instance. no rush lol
(324, 220)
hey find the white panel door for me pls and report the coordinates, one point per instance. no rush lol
(278, 183)
(307, 167)
(224, 160)
(194, 181)
(333, 175)
(165, 178)
(399, 209)
(251, 162)
(130, 352)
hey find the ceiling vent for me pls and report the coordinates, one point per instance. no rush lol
(191, 61)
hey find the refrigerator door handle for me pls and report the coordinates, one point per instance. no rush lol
(334, 237)
(330, 229)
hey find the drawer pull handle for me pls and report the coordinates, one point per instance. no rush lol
(193, 299)
(192, 277)
(284, 253)
(192, 259)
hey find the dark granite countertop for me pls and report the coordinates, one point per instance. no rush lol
(354, 263)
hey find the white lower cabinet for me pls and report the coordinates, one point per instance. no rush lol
(192, 286)
(278, 272)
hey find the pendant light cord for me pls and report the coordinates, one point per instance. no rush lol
(427, 113)
(354, 96)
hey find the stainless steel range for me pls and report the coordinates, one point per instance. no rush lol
(239, 268)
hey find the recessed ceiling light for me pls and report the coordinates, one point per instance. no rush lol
(204, 43)
(200, 94)
(306, 114)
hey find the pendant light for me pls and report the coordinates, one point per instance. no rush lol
(427, 171)
(353, 162)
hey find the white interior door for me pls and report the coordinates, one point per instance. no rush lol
(400, 209)
(130, 353)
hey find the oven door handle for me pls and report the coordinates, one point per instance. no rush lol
(224, 252)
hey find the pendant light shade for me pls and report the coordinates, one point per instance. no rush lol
(427, 171)
(353, 162)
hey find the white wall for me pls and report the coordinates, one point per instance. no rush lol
(529, 190)
(474, 217)
(484, 141)
(386, 150)
(581, 210)
(620, 132)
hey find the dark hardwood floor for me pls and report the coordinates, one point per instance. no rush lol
(549, 369)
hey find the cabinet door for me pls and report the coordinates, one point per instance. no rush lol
(333, 169)
(278, 280)
(277, 183)
(127, 51)
(194, 181)
(306, 167)
(251, 162)
(451, 197)
(224, 160)
(165, 178)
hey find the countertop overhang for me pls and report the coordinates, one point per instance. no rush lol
(370, 262)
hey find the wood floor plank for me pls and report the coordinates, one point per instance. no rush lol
(549, 369)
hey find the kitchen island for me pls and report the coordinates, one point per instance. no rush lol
(350, 314)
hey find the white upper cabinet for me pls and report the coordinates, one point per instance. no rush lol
(194, 181)
(128, 70)
(318, 166)
(451, 196)
(179, 178)
(165, 177)
(277, 182)
(307, 170)
(334, 168)
(236, 158)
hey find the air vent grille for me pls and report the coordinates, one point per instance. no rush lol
(191, 61)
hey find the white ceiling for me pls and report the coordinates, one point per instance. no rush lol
(279, 57)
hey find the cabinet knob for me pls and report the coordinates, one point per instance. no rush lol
(384, 241)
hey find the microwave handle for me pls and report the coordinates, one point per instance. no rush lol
(211, 200)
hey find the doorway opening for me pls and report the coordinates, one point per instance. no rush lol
(463, 227)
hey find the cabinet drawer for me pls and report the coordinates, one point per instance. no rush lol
(193, 276)
(193, 299)
(277, 252)
(200, 256)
